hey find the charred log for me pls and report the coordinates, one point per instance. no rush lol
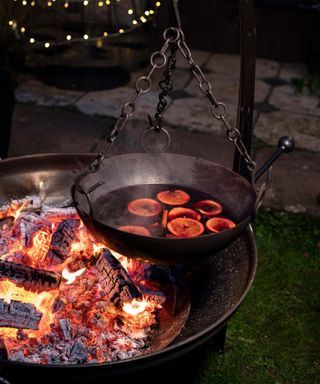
(61, 242)
(115, 280)
(32, 279)
(19, 315)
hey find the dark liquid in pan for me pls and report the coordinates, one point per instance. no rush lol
(113, 207)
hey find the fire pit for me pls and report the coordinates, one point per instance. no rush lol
(216, 287)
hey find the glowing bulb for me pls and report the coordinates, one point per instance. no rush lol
(49, 4)
(33, 3)
(23, 29)
(66, 5)
(47, 45)
(121, 30)
(147, 13)
(69, 37)
(108, 2)
(86, 37)
(86, 2)
(158, 4)
(143, 19)
(134, 22)
(24, 2)
(151, 11)
(32, 40)
(130, 11)
(11, 22)
(105, 34)
(100, 4)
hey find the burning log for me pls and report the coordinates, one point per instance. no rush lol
(115, 279)
(61, 242)
(79, 353)
(32, 279)
(66, 329)
(19, 315)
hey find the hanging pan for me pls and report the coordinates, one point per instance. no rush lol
(106, 192)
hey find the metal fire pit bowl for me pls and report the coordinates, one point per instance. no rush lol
(218, 284)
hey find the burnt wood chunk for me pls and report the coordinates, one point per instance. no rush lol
(116, 280)
(32, 279)
(19, 315)
(61, 241)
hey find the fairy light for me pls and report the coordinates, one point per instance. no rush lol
(66, 4)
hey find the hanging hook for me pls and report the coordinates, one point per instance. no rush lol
(177, 12)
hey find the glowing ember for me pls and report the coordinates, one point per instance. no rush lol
(87, 316)
(71, 276)
(135, 307)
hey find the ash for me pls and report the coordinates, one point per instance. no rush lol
(78, 322)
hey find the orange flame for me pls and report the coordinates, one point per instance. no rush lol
(135, 307)
(71, 276)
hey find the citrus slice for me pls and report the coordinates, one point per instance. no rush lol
(136, 229)
(183, 212)
(144, 207)
(176, 197)
(218, 224)
(208, 207)
(185, 227)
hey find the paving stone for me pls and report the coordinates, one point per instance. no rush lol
(266, 68)
(285, 97)
(34, 91)
(294, 183)
(109, 103)
(290, 71)
(303, 128)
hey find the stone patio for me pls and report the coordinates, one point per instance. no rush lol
(279, 111)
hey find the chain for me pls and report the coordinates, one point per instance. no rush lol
(218, 108)
(143, 85)
(166, 85)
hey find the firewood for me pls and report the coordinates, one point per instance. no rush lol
(61, 242)
(19, 315)
(32, 279)
(115, 280)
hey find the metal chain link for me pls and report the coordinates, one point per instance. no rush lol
(143, 85)
(218, 108)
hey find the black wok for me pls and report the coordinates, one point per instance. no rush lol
(236, 194)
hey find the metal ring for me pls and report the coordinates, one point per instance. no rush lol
(172, 39)
(215, 110)
(155, 129)
(130, 107)
(139, 86)
(154, 57)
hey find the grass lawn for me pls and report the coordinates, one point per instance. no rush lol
(275, 335)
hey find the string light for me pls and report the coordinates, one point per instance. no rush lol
(72, 39)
